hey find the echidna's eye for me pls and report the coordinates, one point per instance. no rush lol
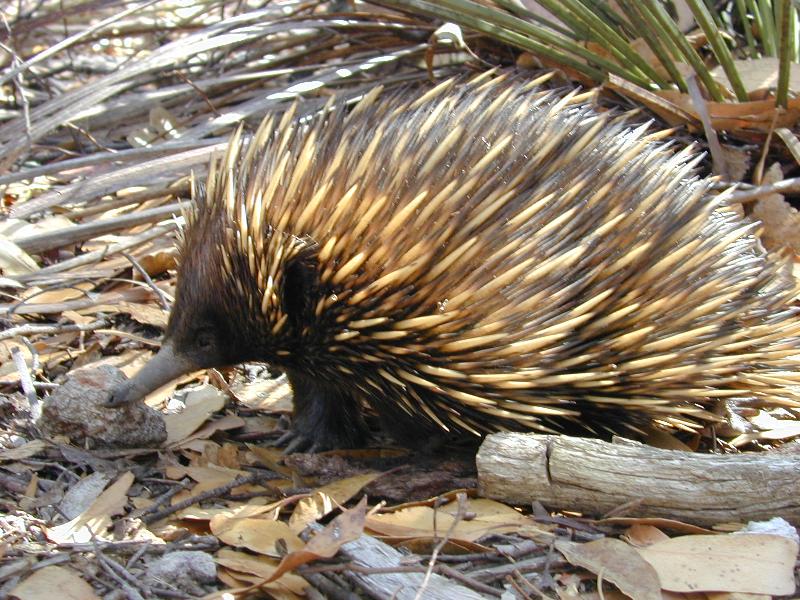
(205, 340)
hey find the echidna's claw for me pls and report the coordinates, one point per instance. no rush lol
(294, 442)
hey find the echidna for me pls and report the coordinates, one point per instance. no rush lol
(481, 255)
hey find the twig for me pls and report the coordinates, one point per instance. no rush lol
(462, 502)
(717, 157)
(175, 192)
(523, 566)
(511, 579)
(98, 255)
(207, 495)
(116, 157)
(785, 186)
(195, 542)
(37, 385)
(13, 484)
(600, 585)
(32, 329)
(162, 298)
(19, 82)
(535, 589)
(26, 383)
(162, 499)
(467, 580)
(34, 354)
(130, 336)
(66, 43)
(34, 244)
(330, 588)
(137, 555)
(129, 584)
(441, 569)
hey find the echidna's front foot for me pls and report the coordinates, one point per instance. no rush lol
(324, 417)
(296, 441)
(292, 442)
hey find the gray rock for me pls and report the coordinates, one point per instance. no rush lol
(77, 410)
(184, 570)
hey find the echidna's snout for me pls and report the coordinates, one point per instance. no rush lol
(159, 370)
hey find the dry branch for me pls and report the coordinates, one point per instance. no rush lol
(368, 552)
(63, 237)
(595, 477)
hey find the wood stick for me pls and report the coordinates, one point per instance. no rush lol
(368, 553)
(63, 237)
(596, 477)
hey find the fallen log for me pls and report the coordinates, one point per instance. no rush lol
(630, 479)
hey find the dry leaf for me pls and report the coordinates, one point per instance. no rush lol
(780, 221)
(207, 478)
(419, 521)
(156, 263)
(273, 395)
(27, 450)
(14, 260)
(78, 318)
(258, 535)
(738, 162)
(677, 108)
(198, 513)
(15, 229)
(750, 563)
(144, 313)
(129, 362)
(347, 527)
(791, 141)
(36, 296)
(97, 518)
(327, 498)
(200, 404)
(616, 562)
(260, 566)
(659, 522)
(208, 473)
(54, 582)
(640, 535)
(272, 458)
(309, 510)
(759, 74)
(210, 428)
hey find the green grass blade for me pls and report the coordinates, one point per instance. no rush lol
(747, 26)
(657, 12)
(769, 37)
(786, 52)
(520, 33)
(600, 32)
(718, 45)
(521, 11)
(652, 35)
